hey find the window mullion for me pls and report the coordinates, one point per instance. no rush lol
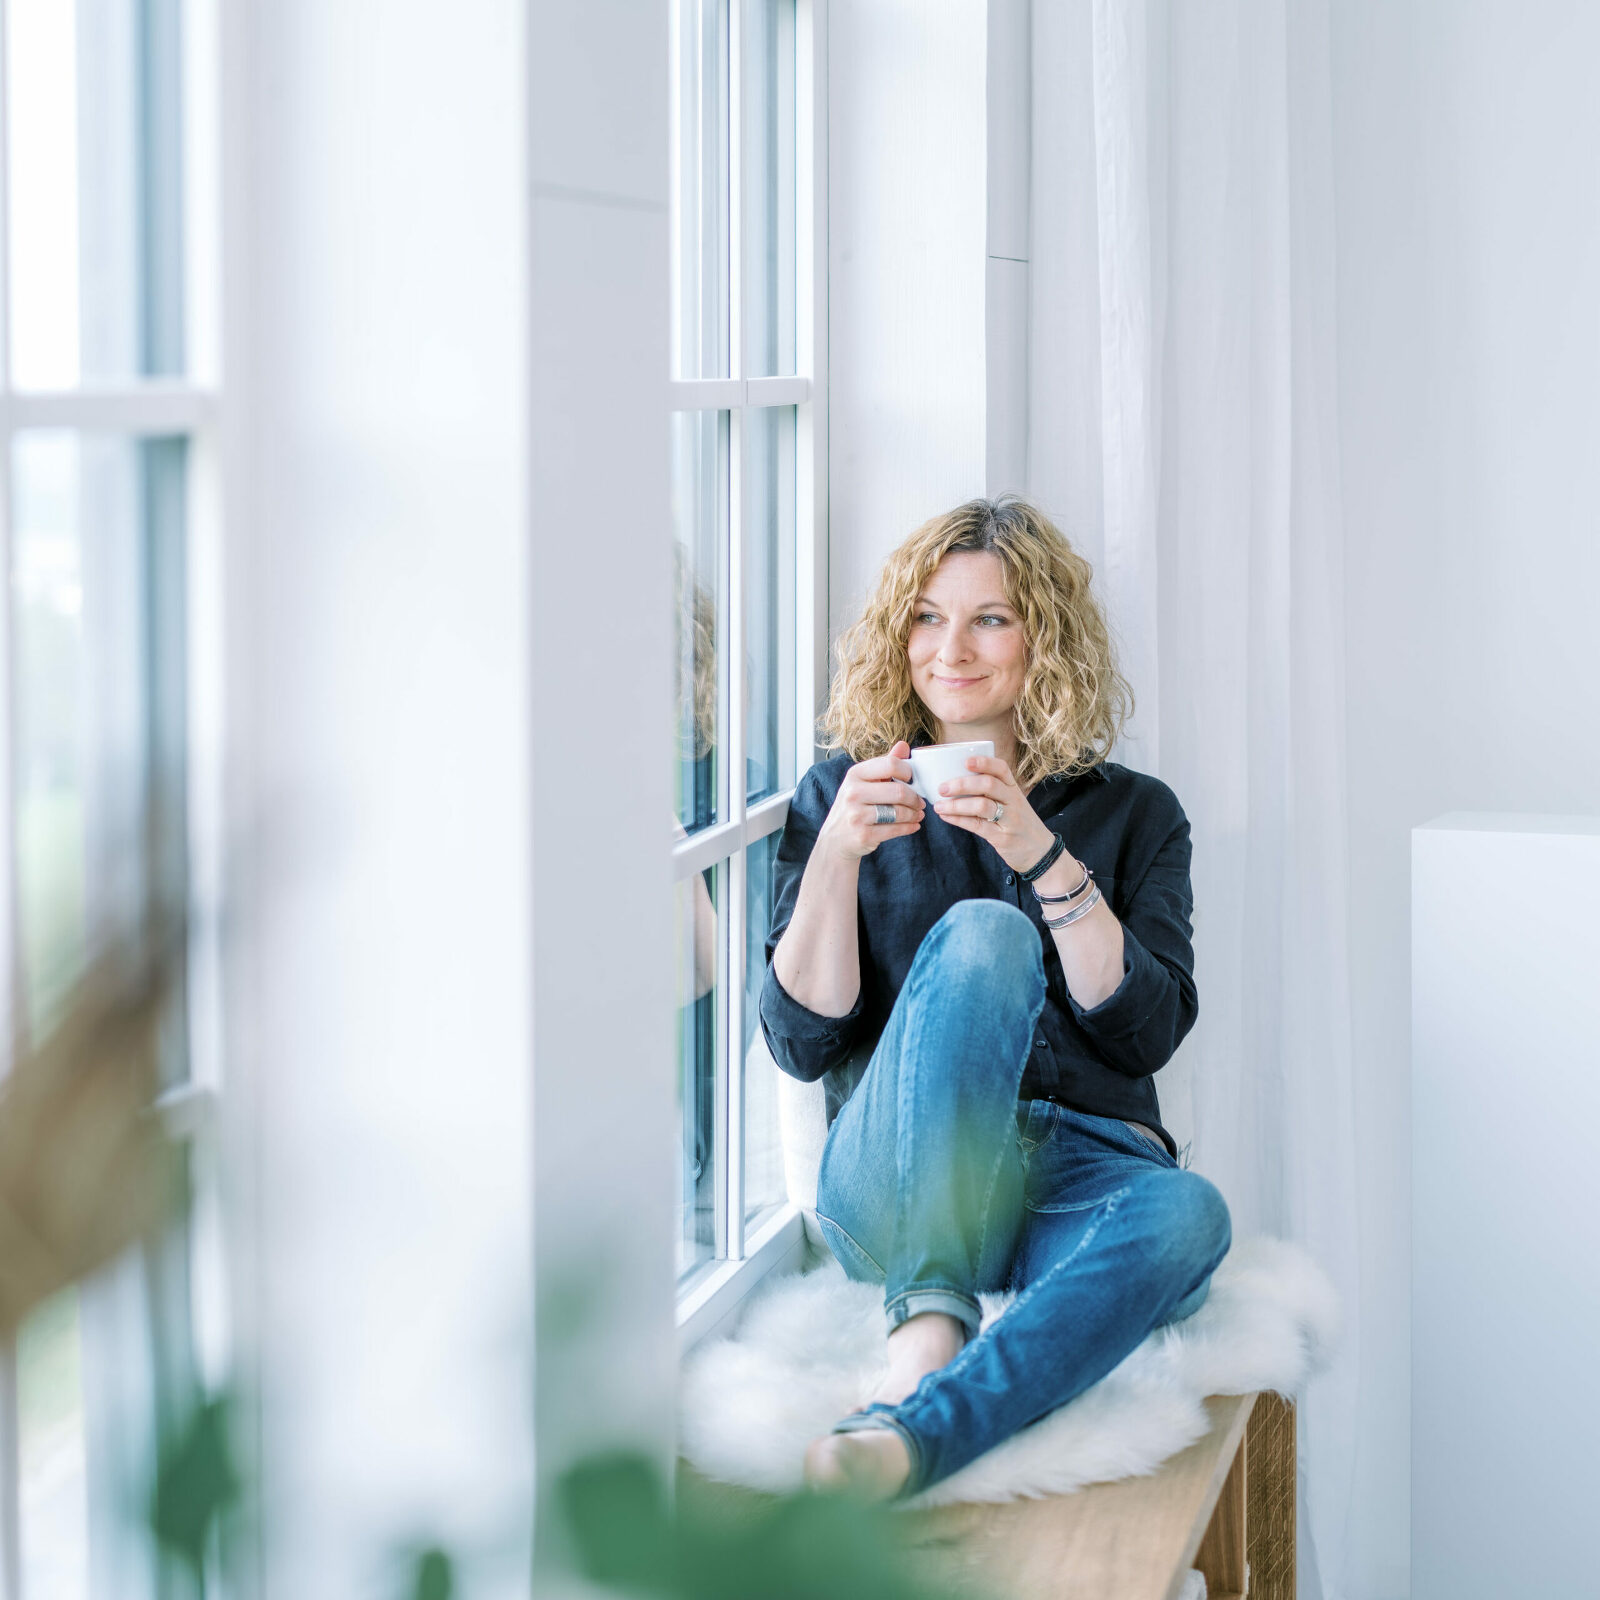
(738, 734)
(10, 1474)
(10, 954)
(811, 363)
(733, 239)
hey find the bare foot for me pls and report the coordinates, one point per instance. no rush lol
(867, 1464)
(920, 1345)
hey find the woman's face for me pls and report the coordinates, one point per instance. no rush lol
(966, 650)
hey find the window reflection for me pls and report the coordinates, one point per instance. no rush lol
(769, 679)
(699, 477)
(697, 927)
(763, 1135)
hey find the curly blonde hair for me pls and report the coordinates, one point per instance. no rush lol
(1073, 701)
(694, 659)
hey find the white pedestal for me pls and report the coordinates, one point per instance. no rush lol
(1505, 1355)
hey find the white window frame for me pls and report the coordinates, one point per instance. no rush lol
(742, 1256)
(138, 409)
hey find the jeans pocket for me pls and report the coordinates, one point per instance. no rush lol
(1037, 1125)
(856, 1262)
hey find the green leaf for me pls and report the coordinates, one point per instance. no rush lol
(433, 1576)
(196, 1483)
(616, 1507)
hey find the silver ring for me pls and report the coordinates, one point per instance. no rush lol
(999, 811)
(883, 814)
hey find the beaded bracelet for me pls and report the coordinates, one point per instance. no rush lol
(1076, 912)
(1046, 861)
(1061, 899)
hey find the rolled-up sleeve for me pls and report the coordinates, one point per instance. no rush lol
(803, 1042)
(1142, 1022)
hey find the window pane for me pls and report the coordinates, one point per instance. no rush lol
(96, 231)
(763, 1136)
(54, 1479)
(98, 606)
(699, 521)
(769, 600)
(700, 188)
(699, 942)
(769, 191)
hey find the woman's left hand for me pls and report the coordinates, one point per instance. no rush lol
(969, 802)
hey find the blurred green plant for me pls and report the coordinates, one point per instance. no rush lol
(802, 1546)
(86, 1167)
(196, 1484)
(433, 1576)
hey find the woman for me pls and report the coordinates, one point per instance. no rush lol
(988, 986)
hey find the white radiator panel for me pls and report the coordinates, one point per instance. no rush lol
(1505, 1407)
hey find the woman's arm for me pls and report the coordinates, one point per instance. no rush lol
(1091, 949)
(1130, 982)
(818, 959)
(696, 922)
(1147, 1002)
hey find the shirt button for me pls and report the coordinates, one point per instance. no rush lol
(1041, 1044)
(1011, 877)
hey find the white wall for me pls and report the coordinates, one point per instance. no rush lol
(1467, 144)
(907, 221)
(447, 286)
(380, 784)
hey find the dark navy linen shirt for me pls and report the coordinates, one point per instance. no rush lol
(1126, 825)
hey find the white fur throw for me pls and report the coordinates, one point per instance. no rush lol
(811, 1347)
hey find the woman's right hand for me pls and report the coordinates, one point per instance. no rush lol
(852, 829)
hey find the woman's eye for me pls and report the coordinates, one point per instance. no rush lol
(926, 616)
(999, 622)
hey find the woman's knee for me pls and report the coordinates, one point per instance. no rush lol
(1185, 1222)
(987, 938)
(858, 1262)
(1201, 1228)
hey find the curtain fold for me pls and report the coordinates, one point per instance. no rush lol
(1183, 433)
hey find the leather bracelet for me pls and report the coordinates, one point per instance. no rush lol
(1077, 911)
(1046, 861)
(1061, 899)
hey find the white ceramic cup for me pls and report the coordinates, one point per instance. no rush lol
(934, 764)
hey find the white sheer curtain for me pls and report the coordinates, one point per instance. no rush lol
(1182, 430)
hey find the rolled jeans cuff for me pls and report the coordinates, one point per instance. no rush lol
(913, 1302)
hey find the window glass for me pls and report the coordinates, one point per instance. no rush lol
(54, 1483)
(52, 716)
(699, 938)
(769, 599)
(699, 113)
(98, 612)
(97, 581)
(769, 191)
(763, 1139)
(699, 496)
(96, 233)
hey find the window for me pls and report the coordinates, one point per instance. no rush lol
(747, 440)
(107, 414)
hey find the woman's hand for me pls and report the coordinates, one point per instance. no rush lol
(852, 830)
(969, 802)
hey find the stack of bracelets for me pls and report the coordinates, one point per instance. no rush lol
(1084, 906)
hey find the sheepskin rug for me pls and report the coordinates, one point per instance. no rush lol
(810, 1348)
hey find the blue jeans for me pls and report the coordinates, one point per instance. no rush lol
(939, 1182)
